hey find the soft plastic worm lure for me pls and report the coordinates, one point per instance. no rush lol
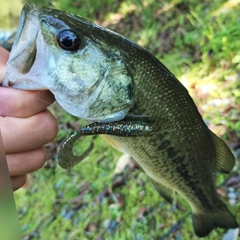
(67, 159)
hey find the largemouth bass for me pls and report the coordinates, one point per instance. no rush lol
(132, 98)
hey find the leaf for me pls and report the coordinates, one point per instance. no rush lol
(142, 212)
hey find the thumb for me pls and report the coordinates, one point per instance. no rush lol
(4, 54)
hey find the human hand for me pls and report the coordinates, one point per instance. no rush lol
(26, 125)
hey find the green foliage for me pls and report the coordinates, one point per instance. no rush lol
(9, 14)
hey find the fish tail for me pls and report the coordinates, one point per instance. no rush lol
(221, 217)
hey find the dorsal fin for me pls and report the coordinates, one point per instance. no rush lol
(225, 160)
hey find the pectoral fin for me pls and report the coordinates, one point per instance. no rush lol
(113, 143)
(121, 128)
(225, 160)
(165, 192)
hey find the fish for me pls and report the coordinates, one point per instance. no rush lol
(130, 98)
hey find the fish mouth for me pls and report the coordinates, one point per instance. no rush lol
(24, 50)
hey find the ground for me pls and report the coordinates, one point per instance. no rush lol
(199, 42)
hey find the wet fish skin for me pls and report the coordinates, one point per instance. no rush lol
(84, 81)
(181, 153)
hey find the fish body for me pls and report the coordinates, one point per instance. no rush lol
(133, 99)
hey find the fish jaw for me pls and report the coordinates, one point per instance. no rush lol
(84, 82)
(24, 66)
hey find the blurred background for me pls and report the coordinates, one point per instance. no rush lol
(199, 42)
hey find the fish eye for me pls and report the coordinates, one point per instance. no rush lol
(68, 40)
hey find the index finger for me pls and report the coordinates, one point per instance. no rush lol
(19, 103)
(22, 104)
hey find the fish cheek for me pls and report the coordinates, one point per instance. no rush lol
(115, 96)
(115, 88)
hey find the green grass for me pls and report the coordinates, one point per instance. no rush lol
(9, 13)
(199, 42)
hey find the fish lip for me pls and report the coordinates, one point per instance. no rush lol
(26, 25)
(23, 47)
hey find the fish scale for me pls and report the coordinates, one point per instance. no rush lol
(135, 102)
(179, 164)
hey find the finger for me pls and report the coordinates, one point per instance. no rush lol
(19, 103)
(26, 162)
(25, 134)
(4, 54)
(18, 181)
